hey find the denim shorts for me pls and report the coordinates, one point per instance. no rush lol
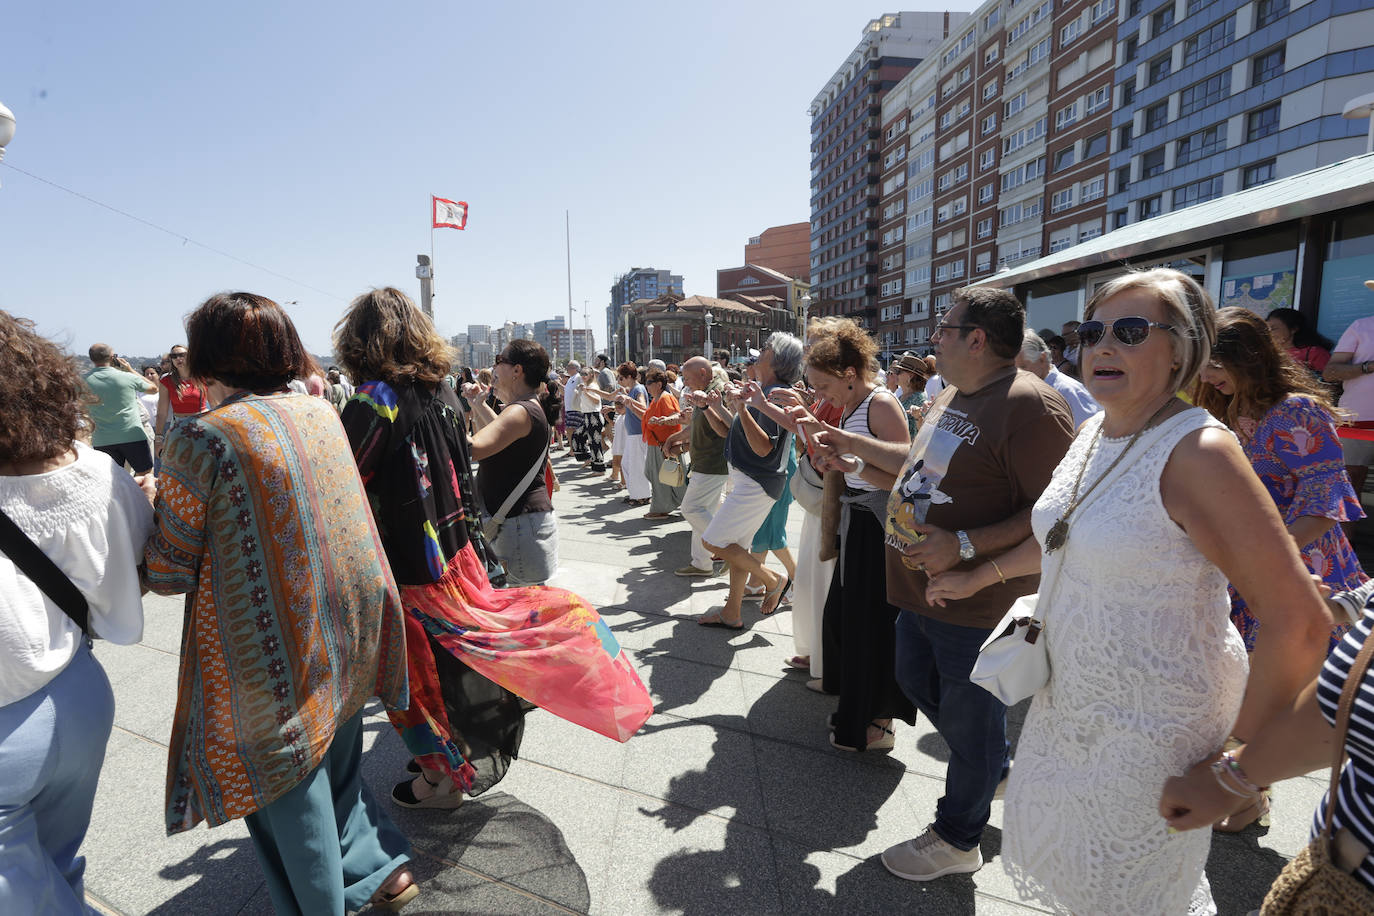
(528, 547)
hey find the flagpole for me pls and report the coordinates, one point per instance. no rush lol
(567, 237)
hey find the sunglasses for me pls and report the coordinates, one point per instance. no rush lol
(502, 359)
(1131, 330)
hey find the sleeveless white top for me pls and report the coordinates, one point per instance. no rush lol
(857, 423)
(1146, 678)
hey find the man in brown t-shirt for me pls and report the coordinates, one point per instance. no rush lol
(964, 489)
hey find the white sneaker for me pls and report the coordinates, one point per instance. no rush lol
(1001, 792)
(928, 857)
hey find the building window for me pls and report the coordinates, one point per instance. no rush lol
(1199, 95)
(1267, 66)
(1066, 116)
(1212, 38)
(1101, 9)
(1128, 91)
(1015, 103)
(1203, 143)
(1150, 206)
(1094, 188)
(1064, 159)
(987, 159)
(956, 269)
(989, 124)
(1069, 32)
(1061, 200)
(1197, 192)
(985, 193)
(1152, 163)
(960, 206)
(1262, 123)
(1095, 146)
(1267, 11)
(989, 90)
(991, 19)
(1119, 219)
(984, 263)
(1161, 67)
(1162, 20)
(1061, 240)
(1124, 135)
(1197, 6)
(1156, 116)
(985, 228)
(1098, 99)
(1258, 174)
(1131, 48)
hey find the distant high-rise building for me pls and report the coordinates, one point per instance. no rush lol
(543, 331)
(846, 131)
(636, 283)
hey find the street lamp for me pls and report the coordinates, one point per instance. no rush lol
(806, 309)
(6, 128)
(650, 329)
(709, 318)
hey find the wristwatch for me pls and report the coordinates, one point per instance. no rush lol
(966, 551)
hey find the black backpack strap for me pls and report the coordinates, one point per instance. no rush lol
(35, 564)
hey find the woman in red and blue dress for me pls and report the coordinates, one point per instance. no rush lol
(1286, 423)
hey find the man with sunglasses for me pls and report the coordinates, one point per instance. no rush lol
(964, 490)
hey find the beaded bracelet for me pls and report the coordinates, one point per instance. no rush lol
(1220, 772)
(1239, 774)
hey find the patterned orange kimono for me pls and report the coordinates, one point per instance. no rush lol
(293, 619)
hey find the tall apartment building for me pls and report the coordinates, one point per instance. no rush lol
(578, 345)
(1217, 97)
(845, 158)
(636, 283)
(1033, 128)
(543, 331)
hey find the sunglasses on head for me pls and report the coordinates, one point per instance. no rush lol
(1131, 330)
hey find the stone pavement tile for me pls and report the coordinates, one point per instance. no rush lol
(705, 764)
(650, 635)
(144, 681)
(162, 622)
(677, 860)
(560, 744)
(831, 800)
(134, 867)
(817, 882)
(595, 582)
(689, 689)
(446, 889)
(784, 709)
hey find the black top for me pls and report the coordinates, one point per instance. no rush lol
(502, 472)
(412, 453)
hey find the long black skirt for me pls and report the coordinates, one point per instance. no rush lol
(858, 636)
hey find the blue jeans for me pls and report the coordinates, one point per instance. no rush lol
(326, 845)
(933, 664)
(528, 547)
(52, 745)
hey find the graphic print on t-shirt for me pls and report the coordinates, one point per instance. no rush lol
(918, 486)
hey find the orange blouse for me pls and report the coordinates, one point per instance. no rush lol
(657, 433)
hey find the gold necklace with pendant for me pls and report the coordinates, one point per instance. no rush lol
(1059, 531)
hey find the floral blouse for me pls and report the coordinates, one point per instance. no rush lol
(1297, 455)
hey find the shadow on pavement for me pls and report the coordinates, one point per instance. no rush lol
(211, 864)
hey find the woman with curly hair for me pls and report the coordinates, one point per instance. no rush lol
(56, 707)
(476, 655)
(1286, 423)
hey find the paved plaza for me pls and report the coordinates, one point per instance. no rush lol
(729, 801)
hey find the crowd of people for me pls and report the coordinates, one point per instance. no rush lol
(1172, 483)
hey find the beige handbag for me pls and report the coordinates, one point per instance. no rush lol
(672, 472)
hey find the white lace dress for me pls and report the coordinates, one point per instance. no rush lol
(1147, 676)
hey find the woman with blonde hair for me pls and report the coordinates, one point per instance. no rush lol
(1152, 510)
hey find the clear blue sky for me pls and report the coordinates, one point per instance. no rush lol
(307, 139)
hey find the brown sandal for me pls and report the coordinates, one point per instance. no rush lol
(1256, 812)
(394, 901)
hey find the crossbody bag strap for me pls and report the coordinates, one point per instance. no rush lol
(524, 484)
(36, 564)
(1352, 687)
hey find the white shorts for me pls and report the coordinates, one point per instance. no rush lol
(740, 515)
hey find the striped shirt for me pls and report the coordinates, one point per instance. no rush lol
(1355, 793)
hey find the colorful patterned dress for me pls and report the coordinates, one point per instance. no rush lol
(1294, 450)
(292, 617)
(545, 646)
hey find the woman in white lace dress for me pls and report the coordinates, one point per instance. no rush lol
(1150, 513)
